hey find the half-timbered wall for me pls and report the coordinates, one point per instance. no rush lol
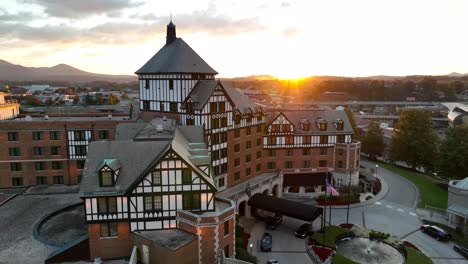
(78, 141)
(301, 142)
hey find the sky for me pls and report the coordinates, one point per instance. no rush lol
(283, 38)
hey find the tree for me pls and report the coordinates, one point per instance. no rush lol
(372, 143)
(453, 160)
(415, 141)
(124, 95)
(113, 100)
(32, 100)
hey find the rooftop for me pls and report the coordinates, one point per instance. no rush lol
(172, 239)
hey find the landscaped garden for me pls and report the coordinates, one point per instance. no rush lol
(343, 246)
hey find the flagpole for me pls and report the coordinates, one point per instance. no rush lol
(330, 209)
(324, 215)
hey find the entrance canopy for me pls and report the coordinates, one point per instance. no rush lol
(285, 207)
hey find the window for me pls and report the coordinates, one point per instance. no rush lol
(58, 179)
(190, 122)
(323, 139)
(306, 126)
(237, 120)
(57, 165)
(306, 139)
(259, 142)
(306, 152)
(259, 154)
(41, 180)
(80, 164)
(153, 203)
(79, 135)
(248, 158)
(54, 150)
(156, 175)
(248, 131)
(226, 229)
(236, 133)
(15, 166)
(271, 153)
(214, 122)
(191, 201)
(109, 230)
(186, 176)
(323, 151)
(80, 150)
(223, 137)
(340, 152)
(340, 164)
(161, 106)
(146, 105)
(222, 107)
(236, 147)
(306, 164)
(236, 162)
(322, 163)
(289, 152)
(221, 182)
(259, 128)
(17, 181)
(290, 140)
(249, 118)
(285, 128)
(248, 144)
(215, 139)
(247, 172)
(215, 154)
(171, 84)
(40, 165)
(236, 175)
(288, 164)
(213, 107)
(15, 151)
(275, 128)
(173, 107)
(103, 134)
(38, 151)
(37, 135)
(339, 125)
(258, 167)
(13, 136)
(54, 135)
(271, 165)
(340, 139)
(323, 125)
(106, 178)
(271, 140)
(147, 84)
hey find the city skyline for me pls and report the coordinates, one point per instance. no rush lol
(286, 39)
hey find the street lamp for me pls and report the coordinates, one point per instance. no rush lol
(251, 246)
(376, 171)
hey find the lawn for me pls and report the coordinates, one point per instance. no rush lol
(329, 239)
(340, 259)
(457, 236)
(416, 257)
(432, 191)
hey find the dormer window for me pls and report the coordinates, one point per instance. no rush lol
(305, 125)
(108, 171)
(339, 124)
(285, 128)
(322, 124)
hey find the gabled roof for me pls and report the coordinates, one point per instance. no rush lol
(114, 164)
(202, 91)
(176, 57)
(296, 117)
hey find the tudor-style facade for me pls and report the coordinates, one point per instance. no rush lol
(141, 186)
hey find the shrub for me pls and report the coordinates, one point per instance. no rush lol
(239, 231)
(242, 254)
(240, 242)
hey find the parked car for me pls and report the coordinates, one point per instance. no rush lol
(462, 250)
(436, 232)
(272, 261)
(266, 242)
(303, 231)
(273, 222)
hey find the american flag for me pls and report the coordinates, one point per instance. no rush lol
(330, 188)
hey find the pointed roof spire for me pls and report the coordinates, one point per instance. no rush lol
(171, 32)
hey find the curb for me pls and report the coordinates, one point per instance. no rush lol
(39, 223)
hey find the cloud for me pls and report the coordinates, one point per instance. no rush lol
(18, 17)
(285, 4)
(83, 8)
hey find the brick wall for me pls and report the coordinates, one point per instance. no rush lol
(110, 247)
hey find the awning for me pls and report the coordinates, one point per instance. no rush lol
(285, 207)
(304, 179)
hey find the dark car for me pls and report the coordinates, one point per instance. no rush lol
(266, 243)
(303, 231)
(462, 250)
(272, 261)
(273, 222)
(436, 232)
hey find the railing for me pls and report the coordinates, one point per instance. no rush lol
(308, 170)
(436, 209)
(11, 101)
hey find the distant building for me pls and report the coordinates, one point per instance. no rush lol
(334, 96)
(8, 108)
(39, 87)
(457, 205)
(458, 115)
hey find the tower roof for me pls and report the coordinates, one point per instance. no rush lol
(176, 57)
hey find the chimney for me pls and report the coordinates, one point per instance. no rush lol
(171, 33)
